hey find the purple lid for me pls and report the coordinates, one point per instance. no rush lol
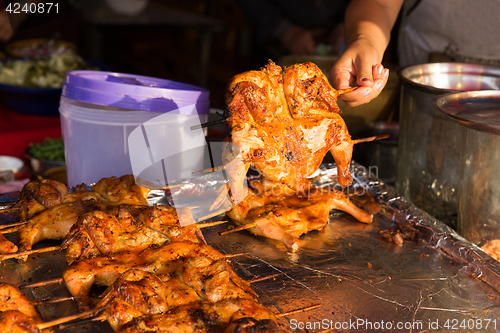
(128, 102)
(134, 92)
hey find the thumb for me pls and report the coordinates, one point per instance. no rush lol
(365, 75)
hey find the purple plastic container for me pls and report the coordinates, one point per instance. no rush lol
(100, 109)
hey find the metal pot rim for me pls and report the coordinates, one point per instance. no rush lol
(407, 74)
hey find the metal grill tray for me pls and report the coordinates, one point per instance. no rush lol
(440, 283)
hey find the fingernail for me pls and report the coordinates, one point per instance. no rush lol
(386, 73)
(365, 79)
(379, 85)
(380, 69)
(367, 92)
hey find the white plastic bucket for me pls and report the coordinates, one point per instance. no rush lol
(96, 137)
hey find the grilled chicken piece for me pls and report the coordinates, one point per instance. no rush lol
(104, 270)
(39, 195)
(6, 246)
(137, 293)
(122, 190)
(17, 314)
(284, 215)
(101, 233)
(284, 121)
(53, 223)
(228, 315)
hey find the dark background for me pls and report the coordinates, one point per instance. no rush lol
(169, 52)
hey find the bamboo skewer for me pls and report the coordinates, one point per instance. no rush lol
(309, 308)
(67, 319)
(10, 225)
(42, 283)
(28, 252)
(83, 322)
(243, 227)
(371, 138)
(11, 230)
(52, 300)
(347, 90)
(263, 278)
(9, 209)
(211, 224)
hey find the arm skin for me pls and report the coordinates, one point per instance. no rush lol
(368, 25)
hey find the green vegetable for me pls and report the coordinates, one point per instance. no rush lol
(48, 150)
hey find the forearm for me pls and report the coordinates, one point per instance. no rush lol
(371, 21)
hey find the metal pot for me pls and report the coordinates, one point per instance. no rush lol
(428, 151)
(478, 113)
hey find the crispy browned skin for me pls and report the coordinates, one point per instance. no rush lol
(53, 223)
(285, 215)
(133, 229)
(284, 121)
(137, 293)
(122, 190)
(39, 195)
(17, 314)
(104, 270)
(50, 210)
(228, 315)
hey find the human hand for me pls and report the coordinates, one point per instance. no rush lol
(299, 41)
(359, 65)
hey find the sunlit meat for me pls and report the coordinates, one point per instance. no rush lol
(17, 314)
(283, 121)
(276, 212)
(133, 229)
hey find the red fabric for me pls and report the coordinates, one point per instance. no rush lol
(17, 131)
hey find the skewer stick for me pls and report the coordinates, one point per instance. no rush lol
(9, 209)
(84, 321)
(210, 123)
(5, 226)
(234, 255)
(371, 138)
(284, 314)
(66, 319)
(243, 227)
(210, 224)
(347, 90)
(11, 230)
(61, 280)
(26, 253)
(42, 283)
(263, 278)
(52, 300)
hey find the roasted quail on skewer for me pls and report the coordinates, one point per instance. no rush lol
(133, 229)
(274, 211)
(16, 312)
(226, 316)
(104, 270)
(283, 121)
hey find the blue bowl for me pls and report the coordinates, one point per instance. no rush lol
(34, 100)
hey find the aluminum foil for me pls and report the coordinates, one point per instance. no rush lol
(438, 282)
